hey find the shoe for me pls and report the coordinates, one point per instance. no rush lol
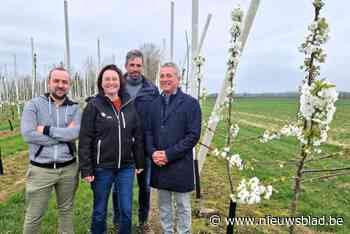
(145, 228)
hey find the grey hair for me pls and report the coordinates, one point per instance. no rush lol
(133, 54)
(173, 65)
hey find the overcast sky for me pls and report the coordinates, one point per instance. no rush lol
(270, 61)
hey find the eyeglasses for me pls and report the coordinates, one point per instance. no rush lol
(135, 65)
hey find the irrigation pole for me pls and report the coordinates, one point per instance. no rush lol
(67, 58)
(172, 10)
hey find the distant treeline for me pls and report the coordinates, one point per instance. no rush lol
(342, 95)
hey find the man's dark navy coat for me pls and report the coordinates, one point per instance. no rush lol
(176, 129)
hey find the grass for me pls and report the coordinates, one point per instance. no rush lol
(12, 212)
(12, 144)
(8, 112)
(322, 198)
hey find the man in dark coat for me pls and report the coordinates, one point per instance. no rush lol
(143, 91)
(173, 129)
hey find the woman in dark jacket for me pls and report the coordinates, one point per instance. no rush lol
(110, 147)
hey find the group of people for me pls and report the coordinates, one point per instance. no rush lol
(128, 128)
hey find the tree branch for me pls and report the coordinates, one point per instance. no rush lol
(324, 157)
(326, 170)
(325, 177)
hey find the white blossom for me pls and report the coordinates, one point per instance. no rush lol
(216, 152)
(235, 160)
(237, 14)
(234, 130)
(199, 60)
(229, 90)
(250, 192)
(223, 154)
(267, 136)
(268, 192)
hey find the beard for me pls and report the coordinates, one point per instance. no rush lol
(57, 96)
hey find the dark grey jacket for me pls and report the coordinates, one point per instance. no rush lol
(57, 144)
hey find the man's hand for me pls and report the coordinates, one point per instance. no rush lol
(159, 158)
(89, 179)
(138, 171)
(40, 129)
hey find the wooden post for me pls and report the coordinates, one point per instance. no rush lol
(10, 123)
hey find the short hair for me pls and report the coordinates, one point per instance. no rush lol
(173, 65)
(133, 54)
(113, 68)
(56, 69)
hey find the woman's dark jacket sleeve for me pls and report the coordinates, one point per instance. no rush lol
(86, 138)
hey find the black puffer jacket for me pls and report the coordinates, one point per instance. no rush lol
(108, 138)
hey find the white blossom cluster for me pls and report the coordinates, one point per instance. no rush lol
(199, 60)
(287, 130)
(237, 19)
(319, 34)
(317, 105)
(317, 98)
(251, 192)
(269, 136)
(314, 41)
(203, 94)
(317, 102)
(234, 53)
(234, 160)
(234, 130)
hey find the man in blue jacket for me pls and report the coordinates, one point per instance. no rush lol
(173, 129)
(143, 92)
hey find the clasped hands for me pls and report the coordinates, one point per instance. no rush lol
(159, 158)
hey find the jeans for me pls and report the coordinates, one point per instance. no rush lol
(123, 180)
(182, 212)
(143, 180)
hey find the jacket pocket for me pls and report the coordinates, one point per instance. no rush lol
(98, 151)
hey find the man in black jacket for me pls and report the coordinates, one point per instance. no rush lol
(143, 92)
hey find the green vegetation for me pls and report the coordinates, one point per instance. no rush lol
(12, 212)
(329, 197)
(320, 198)
(12, 144)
